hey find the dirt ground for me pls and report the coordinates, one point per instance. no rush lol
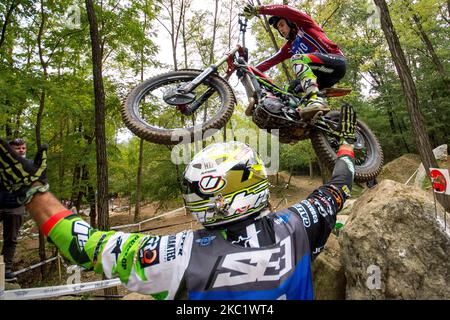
(400, 169)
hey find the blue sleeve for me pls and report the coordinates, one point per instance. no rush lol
(318, 211)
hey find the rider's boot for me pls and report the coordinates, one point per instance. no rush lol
(308, 82)
(314, 104)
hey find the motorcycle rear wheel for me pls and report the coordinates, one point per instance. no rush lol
(367, 166)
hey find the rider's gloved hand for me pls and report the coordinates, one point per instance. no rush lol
(250, 11)
(17, 174)
(347, 125)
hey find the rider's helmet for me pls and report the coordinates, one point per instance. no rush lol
(273, 21)
(224, 183)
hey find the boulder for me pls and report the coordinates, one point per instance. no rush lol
(441, 154)
(347, 208)
(328, 273)
(395, 247)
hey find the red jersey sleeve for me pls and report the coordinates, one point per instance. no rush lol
(278, 57)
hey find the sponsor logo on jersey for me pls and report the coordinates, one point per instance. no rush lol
(170, 252)
(243, 241)
(322, 68)
(349, 164)
(205, 241)
(320, 208)
(312, 210)
(80, 229)
(346, 191)
(117, 248)
(317, 250)
(337, 196)
(303, 214)
(149, 253)
(328, 200)
(127, 250)
(182, 240)
(299, 45)
(282, 218)
(254, 266)
(97, 248)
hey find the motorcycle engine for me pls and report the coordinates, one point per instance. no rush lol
(272, 113)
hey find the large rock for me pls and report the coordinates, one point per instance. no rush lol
(328, 273)
(441, 154)
(393, 247)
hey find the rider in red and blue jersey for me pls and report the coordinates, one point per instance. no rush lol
(317, 61)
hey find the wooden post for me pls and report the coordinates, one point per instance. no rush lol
(59, 267)
(2, 278)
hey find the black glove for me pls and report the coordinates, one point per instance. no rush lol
(17, 174)
(295, 86)
(347, 125)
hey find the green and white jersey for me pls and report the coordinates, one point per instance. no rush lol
(146, 264)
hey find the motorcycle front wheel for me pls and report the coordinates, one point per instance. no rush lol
(148, 115)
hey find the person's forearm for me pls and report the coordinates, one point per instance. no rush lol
(43, 206)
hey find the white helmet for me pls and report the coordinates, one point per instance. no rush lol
(225, 182)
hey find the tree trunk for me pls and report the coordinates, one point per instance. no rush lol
(324, 172)
(61, 167)
(7, 19)
(410, 91)
(42, 254)
(291, 170)
(92, 206)
(75, 184)
(100, 135)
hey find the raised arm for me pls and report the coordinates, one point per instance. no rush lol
(319, 210)
(147, 264)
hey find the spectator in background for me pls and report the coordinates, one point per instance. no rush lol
(11, 213)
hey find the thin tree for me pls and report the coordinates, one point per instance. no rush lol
(100, 134)
(8, 17)
(429, 45)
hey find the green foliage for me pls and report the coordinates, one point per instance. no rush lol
(59, 67)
